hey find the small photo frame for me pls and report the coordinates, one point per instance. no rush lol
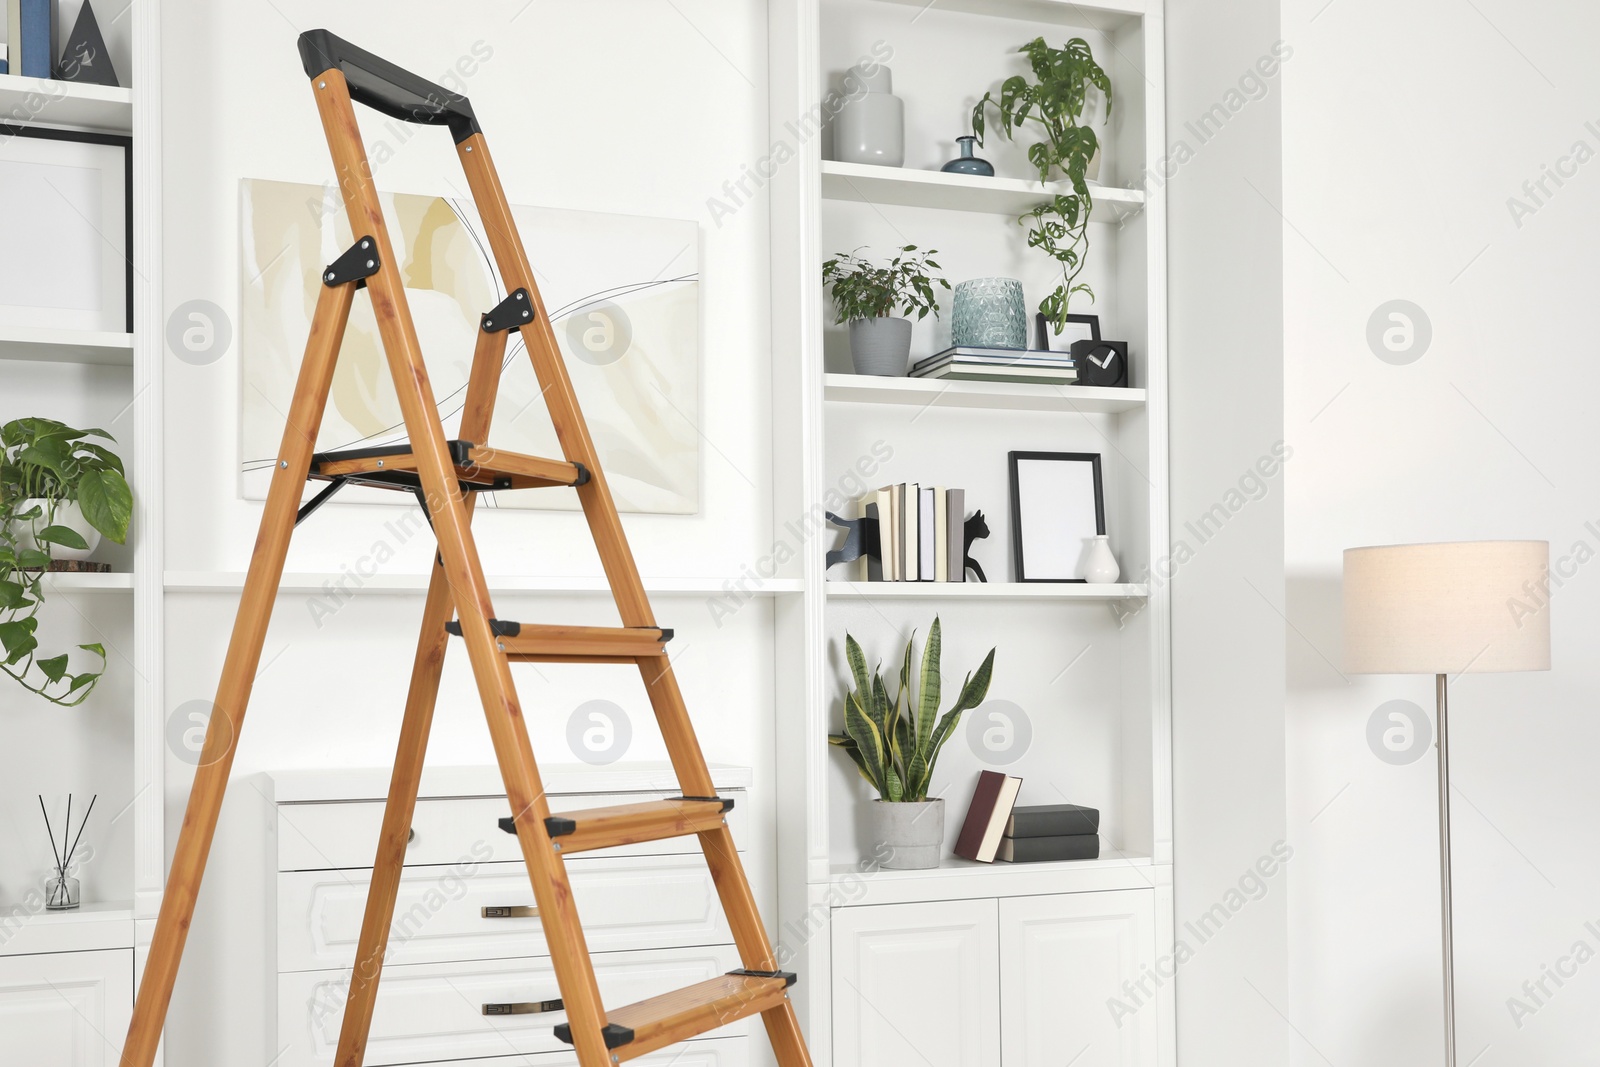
(1079, 328)
(1057, 505)
(67, 231)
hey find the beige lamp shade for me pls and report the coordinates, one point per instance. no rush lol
(1460, 607)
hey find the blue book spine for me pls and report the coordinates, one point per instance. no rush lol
(34, 60)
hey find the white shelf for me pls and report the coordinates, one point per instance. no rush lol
(58, 103)
(398, 584)
(984, 590)
(866, 183)
(956, 878)
(1103, 15)
(66, 346)
(997, 396)
(73, 582)
(90, 928)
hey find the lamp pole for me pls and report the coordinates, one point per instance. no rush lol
(1443, 687)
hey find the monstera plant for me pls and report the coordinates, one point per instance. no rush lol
(1050, 106)
(895, 743)
(59, 493)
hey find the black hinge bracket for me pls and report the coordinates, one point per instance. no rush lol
(614, 1036)
(359, 262)
(498, 627)
(726, 802)
(514, 311)
(789, 977)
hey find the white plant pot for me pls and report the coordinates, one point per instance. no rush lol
(67, 514)
(905, 837)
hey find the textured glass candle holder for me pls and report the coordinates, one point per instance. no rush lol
(989, 313)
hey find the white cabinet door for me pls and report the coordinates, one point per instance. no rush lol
(916, 984)
(66, 1009)
(1063, 964)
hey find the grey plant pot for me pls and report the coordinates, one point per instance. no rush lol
(906, 837)
(881, 346)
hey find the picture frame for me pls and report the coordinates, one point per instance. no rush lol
(1057, 504)
(69, 257)
(1079, 328)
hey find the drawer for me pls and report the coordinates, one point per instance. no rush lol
(65, 1009)
(434, 1011)
(626, 902)
(344, 834)
(708, 1052)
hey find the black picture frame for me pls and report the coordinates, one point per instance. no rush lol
(116, 140)
(1041, 325)
(1026, 524)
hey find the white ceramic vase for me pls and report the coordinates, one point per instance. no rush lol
(1099, 565)
(871, 125)
(67, 514)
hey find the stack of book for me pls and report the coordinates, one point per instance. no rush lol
(997, 828)
(919, 533)
(963, 364)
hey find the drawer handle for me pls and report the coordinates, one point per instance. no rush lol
(526, 1007)
(517, 911)
(411, 835)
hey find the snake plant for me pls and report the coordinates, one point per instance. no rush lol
(895, 743)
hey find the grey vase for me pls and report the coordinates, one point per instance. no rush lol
(881, 346)
(871, 125)
(906, 837)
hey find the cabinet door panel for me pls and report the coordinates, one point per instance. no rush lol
(1063, 964)
(916, 983)
(66, 1009)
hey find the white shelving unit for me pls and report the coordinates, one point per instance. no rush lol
(115, 380)
(298, 583)
(1081, 672)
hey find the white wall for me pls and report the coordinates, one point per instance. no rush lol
(623, 107)
(1226, 339)
(1406, 129)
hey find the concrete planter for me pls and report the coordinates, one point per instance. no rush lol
(881, 346)
(913, 834)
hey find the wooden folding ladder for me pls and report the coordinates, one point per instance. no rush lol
(445, 476)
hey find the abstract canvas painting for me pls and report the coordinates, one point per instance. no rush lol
(622, 293)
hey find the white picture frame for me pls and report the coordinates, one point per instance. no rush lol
(69, 234)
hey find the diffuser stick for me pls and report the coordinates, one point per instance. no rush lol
(73, 851)
(51, 832)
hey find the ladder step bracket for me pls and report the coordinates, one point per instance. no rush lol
(478, 468)
(498, 627)
(358, 262)
(631, 824)
(515, 311)
(692, 1010)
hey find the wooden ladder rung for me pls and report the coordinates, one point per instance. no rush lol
(629, 824)
(534, 643)
(477, 467)
(683, 1013)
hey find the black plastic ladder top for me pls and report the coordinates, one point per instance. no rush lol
(385, 87)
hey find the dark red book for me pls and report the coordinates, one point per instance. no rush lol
(991, 806)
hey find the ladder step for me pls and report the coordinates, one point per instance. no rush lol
(478, 468)
(629, 824)
(690, 1011)
(527, 643)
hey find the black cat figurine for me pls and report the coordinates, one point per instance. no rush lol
(973, 529)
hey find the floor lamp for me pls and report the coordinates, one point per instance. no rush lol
(1460, 608)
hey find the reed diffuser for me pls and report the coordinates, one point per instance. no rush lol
(61, 891)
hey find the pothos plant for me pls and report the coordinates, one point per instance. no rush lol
(45, 465)
(896, 742)
(862, 289)
(1050, 105)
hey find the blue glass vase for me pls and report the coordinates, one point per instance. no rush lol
(969, 163)
(989, 313)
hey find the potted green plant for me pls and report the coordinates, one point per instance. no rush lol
(59, 493)
(1051, 104)
(865, 295)
(895, 744)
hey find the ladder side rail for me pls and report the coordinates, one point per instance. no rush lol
(464, 573)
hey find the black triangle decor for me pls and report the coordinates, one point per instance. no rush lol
(85, 58)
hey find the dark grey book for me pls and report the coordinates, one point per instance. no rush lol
(1052, 820)
(1045, 849)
